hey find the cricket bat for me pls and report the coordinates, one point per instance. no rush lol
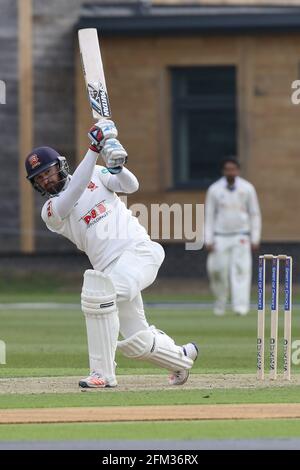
(94, 73)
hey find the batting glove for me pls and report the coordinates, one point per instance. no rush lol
(100, 132)
(114, 155)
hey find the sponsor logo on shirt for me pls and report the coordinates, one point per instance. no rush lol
(92, 186)
(98, 212)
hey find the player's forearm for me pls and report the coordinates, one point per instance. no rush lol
(255, 219)
(124, 182)
(208, 231)
(77, 185)
(255, 228)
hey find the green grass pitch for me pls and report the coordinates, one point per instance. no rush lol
(53, 343)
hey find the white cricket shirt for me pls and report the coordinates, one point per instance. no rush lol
(99, 223)
(232, 212)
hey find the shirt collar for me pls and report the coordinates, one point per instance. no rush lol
(231, 188)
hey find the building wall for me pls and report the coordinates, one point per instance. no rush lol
(54, 114)
(232, 2)
(54, 42)
(55, 48)
(274, 137)
(268, 136)
(9, 151)
(138, 80)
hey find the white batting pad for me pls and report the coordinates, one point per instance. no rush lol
(155, 346)
(98, 303)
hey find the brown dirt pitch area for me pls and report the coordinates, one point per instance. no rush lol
(145, 413)
(131, 383)
(150, 413)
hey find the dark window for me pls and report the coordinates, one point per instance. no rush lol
(204, 123)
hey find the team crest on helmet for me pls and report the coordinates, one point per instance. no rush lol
(34, 161)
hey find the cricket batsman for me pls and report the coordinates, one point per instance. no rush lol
(85, 208)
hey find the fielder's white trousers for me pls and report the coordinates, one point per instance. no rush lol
(132, 272)
(229, 267)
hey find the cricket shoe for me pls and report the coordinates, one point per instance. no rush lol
(179, 377)
(219, 309)
(242, 311)
(96, 380)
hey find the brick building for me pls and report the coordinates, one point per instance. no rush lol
(188, 84)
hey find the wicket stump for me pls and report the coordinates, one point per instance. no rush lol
(288, 262)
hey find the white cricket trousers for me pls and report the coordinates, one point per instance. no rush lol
(229, 267)
(132, 272)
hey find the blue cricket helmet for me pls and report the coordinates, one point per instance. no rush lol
(41, 159)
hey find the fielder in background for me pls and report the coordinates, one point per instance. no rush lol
(232, 230)
(85, 209)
